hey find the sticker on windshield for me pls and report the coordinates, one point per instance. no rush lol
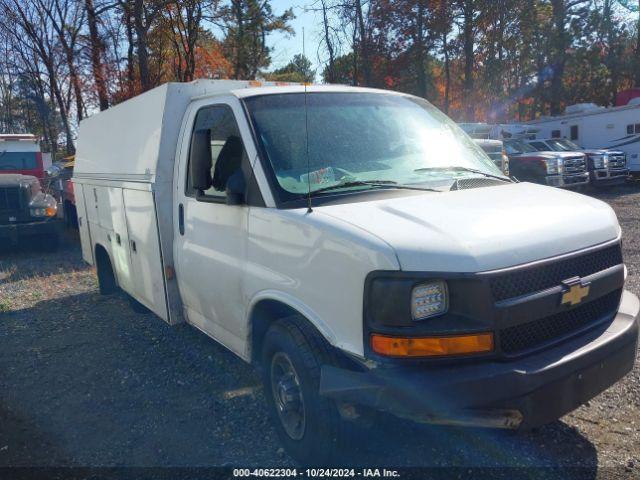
(318, 177)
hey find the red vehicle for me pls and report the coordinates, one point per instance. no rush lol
(20, 153)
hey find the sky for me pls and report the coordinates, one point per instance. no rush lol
(285, 46)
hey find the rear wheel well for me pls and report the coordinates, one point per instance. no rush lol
(106, 276)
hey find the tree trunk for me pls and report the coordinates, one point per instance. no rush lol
(239, 60)
(559, 48)
(447, 72)
(364, 44)
(419, 52)
(131, 74)
(96, 47)
(64, 113)
(468, 41)
(331, 77)
(141, 45)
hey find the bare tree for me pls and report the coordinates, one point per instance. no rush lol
(66, 17)
(97, 51)
(30, 25)
(184, 22)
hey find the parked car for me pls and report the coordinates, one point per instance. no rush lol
(606, 167)
(556, 169)
(374, 261)
(27, 212)
(495, 151)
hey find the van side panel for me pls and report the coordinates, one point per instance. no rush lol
(144, 246)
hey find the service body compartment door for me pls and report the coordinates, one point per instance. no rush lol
(119, 237)
(144, 247)
(83, 224)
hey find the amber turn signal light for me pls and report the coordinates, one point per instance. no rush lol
(432, 346)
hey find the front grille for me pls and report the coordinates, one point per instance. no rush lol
(537, 278)
(617, 161)
(535, 334)
(575, 165)
(9, 198)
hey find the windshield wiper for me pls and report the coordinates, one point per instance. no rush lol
(464, 169)
(371, 183)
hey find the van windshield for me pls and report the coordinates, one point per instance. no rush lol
(565, 145)
(18, 160)
(355, 138)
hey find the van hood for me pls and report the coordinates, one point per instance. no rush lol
(601, 151)
(484, 228)
(563, 154)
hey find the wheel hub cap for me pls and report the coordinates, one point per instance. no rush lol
(287, 395)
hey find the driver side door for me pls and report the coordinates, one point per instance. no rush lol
(210, 245)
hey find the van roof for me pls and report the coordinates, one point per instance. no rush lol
(299, 88)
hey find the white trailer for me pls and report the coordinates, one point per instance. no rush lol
(595, 127)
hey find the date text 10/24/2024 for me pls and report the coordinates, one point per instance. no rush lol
(316, 473)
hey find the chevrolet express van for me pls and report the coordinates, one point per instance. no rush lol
(360, 250)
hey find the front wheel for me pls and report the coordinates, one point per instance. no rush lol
(308, 425)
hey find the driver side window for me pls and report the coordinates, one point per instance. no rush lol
(227, 150)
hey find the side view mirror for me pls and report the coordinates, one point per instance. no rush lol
(236, 186)
(200, 160)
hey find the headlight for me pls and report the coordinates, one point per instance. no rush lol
(40, 212)
(429, 299)
(555, 166)
(600, 161)
(505, 164)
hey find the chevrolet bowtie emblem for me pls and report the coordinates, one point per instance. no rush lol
(576, 291)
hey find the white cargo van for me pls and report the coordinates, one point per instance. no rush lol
(361, 250)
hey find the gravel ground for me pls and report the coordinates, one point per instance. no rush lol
(86, 382)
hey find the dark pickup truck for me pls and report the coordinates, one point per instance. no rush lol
(27, 212)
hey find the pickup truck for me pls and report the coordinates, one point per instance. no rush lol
(27, 213)
(606, 167)
(556, 169)
(495, 151)
(360, 250)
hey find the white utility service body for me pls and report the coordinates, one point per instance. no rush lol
(214, 264)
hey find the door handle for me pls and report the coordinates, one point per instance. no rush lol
(181, 219)
(133, 246)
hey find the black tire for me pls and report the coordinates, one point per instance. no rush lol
(106, 278)
(70, 215)
(137, 307)
(324, 434)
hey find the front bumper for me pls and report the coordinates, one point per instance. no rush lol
(14, 232)
(572, 180)
(609, 177)
(523, 393)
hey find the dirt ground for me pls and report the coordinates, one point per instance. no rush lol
(84, 381)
